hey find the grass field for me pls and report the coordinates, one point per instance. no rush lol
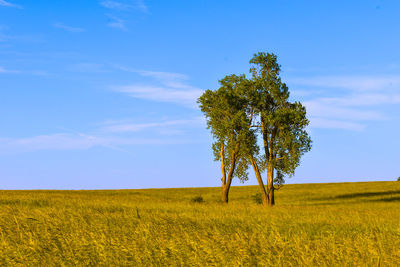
(312, 224)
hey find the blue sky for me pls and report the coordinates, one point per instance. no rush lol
(102, 94)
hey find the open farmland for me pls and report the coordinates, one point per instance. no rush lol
(312, 224)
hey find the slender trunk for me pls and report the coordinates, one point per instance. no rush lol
(270, 169)
(226, 181)
(225, 192)
(227, 186)
(264, 194)
(270, 185)
(222, 154)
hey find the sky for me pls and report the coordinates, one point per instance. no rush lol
(102, 94)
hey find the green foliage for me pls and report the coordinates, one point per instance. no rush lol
(350, 224)
(398, 179)
(197, 199)
(225, 111)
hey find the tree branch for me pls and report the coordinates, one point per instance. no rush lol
(280, 158)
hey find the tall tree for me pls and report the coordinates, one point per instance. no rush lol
(226, 113)
(281, 123)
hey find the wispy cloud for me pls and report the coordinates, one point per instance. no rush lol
(6, 37)
(316, 122)
(119, 8)
(28, 72)
(141, 5)
(115, 22)
(164, 87)
(75, 141)
(125, 6)
(8, 4)
(172, 88)
(164, 77)
(112, 134)
(68, 28)
(3, 36)
(161, 94)
(124, 127)
(115, 5)
(61, 141)
(364, 99)
(87, 67)
(355, 83)
(360, 100)
(3, 70)
(318, 107)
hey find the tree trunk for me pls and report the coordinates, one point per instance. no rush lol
(268, 148)
(270, 185)
(264, 194)
(225, 193)
(226, 181)
(227, 185)
(222, 155)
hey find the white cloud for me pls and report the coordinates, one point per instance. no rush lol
(38, 72)
(8, 4)
(355, 83)
(68, 28)
(115, 22)
(358, 101)
(319, 108)
(164, 77)
(68, 141)
(316, 122)
(171, 79)
(173, 89)
(136, 127)
(115, 135)
(28, 38)
(87, 67)
(125, 6)
(3, 70)
(161, 94)
(60, 141)
(117, 7)
(29, 72)
(141, 5)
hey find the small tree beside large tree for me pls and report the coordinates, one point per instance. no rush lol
(225, 111)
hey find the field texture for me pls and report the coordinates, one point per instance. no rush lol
(355, 224)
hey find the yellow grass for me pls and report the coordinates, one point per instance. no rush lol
(312, 224)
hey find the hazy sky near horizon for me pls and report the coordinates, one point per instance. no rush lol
(102, 94)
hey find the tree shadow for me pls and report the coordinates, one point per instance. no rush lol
(367, 194)
(378, 196)
(390, 199)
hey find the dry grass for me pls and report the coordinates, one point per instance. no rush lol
(312, 224)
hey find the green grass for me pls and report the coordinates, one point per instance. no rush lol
(312, 224)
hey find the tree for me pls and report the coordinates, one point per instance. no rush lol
(242, 108)
(226, 113)
(281, 123)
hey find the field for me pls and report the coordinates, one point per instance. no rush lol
(312, 224)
